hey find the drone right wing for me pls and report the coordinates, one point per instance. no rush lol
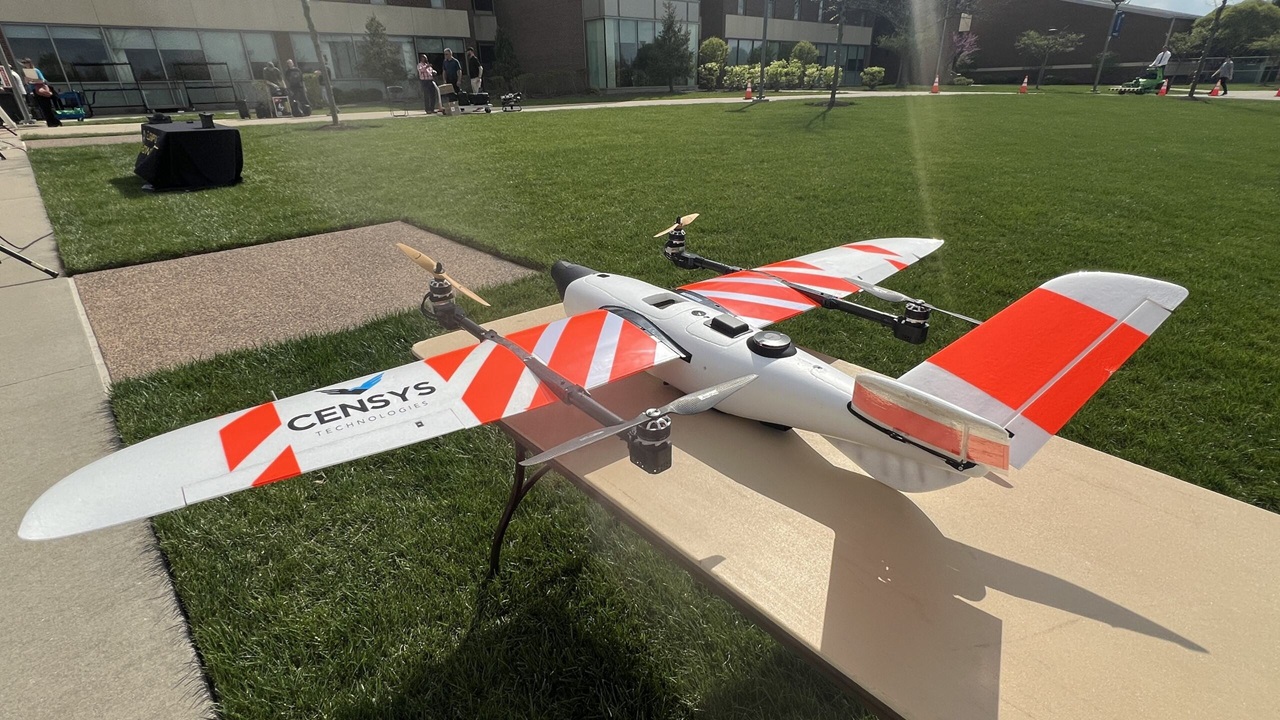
(760, 299)
(284, 438)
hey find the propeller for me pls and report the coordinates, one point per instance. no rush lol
(690, 404)
(679, 224)
(894, 296)
(438, 269)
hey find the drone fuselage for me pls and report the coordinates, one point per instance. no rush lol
(793, 389)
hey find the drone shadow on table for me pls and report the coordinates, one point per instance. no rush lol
(898, 618)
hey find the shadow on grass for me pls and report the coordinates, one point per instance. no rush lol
(534, 655)
(129, 186)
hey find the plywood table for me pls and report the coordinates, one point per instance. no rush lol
(1079, 586)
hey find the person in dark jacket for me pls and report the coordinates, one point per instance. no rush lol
(301, 106)
(41, 92)
(452, 69)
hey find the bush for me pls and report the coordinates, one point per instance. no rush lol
(873, 76)
(708, 74)
(781, 74)
(961, 80)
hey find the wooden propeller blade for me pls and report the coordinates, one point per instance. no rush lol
(681, 223)
(430, 266)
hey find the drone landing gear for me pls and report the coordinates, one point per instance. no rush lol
(520, 486)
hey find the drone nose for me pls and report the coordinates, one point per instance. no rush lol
(563, 273)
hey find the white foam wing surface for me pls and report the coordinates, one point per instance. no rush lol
(274, 441)
(760, 298)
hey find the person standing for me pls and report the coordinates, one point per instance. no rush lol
(1162, 58)
(427, 77)
(38, 89)
(452, 69)
(1225, 72)
(273, 78)
(301, 106)
(475, 70)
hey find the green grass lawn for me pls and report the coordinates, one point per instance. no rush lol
(354, 592)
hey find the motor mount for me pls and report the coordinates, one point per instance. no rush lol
(649, 445)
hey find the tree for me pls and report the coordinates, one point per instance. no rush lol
(1208, 43)
(1269, 46)
(505, 64)
(1238, 28)
(714, 50)
(324, 70)
(806, 54)
(1040, 47)
(378, 57)
(963, 47)
(900, 43)
(667, 57)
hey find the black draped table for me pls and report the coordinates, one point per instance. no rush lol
(185, 156)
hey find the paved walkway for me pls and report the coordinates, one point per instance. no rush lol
(131, 129)
(89, 625)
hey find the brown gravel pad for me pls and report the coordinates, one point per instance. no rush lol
(157, 315)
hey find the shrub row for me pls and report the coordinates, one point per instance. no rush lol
(779, 75)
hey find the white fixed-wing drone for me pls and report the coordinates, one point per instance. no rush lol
(988, 401)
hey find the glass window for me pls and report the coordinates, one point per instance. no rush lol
(645, 32)
(407, 57)
(32, 41)
(430, 46)
(595, 54)
(304, 52)
(261, 50)
(742, 7)
(181, 54)
(341, 50)
(225, 47)
(483, 5)
(795, 14)
(83, 53)
(438, 4)
(135, 47)
(611, 53)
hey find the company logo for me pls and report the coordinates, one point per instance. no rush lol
(357, 390)
(364, 409)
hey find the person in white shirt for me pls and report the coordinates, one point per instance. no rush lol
(1162, 59)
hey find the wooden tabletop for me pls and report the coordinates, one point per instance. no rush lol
(1080, 586)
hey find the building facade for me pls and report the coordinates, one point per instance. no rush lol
(741, 24)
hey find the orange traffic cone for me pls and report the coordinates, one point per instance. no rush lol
(935, 85)
(1164, 89)
(1217, 90)
(1023, 90)
(748, 96)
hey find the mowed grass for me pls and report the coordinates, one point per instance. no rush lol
(356, 592)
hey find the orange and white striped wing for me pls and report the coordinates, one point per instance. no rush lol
(284, 438)
(760, 299)
(1035, 363)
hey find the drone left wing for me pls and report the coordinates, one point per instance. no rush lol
(760, 299)
(284, 438)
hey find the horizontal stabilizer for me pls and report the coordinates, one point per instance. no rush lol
(1033, 365)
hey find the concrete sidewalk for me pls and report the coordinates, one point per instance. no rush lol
(90, 625)
(120, 129)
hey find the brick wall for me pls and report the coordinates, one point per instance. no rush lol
(548, 36)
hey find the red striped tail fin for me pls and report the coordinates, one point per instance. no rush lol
(1033, 365)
